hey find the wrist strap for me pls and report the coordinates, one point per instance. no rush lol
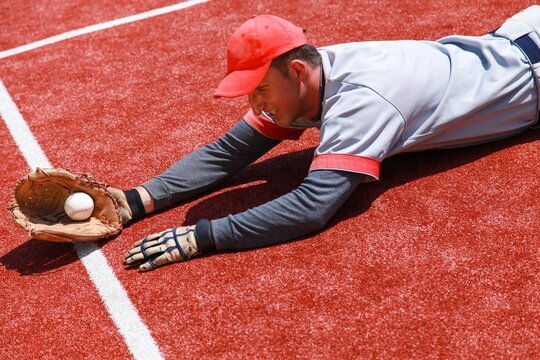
(135, 204)
(204, 236)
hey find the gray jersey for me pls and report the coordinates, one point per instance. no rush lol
(389, 97)
(380, 99)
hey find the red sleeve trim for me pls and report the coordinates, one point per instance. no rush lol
(271, 130)
(347, 162)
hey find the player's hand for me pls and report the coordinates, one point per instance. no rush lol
(125, 211)
(169, 246)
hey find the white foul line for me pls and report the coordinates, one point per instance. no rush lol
(135, 333)
(98, 27)
(125, 316)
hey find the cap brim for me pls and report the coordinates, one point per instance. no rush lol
(241, 82)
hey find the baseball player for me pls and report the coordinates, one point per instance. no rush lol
(370, 100)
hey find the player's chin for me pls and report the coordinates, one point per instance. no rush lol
(285, 123)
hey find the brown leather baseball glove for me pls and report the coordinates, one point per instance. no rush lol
(37, 206)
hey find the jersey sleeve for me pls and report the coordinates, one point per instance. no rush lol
(302, 211)
(207, 166)
(267, 128)
(359, 129)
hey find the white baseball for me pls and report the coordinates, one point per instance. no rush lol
(79, 206)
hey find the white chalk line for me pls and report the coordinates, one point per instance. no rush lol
(137, 336)
(135, 333)
(98, 27)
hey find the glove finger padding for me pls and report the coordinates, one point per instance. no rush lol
(37, 206)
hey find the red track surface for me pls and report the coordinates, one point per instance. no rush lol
(438, 259)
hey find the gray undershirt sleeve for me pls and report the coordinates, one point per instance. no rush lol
(208, 166)
(304, 210)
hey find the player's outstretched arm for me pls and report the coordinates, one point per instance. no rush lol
(300, 212)
(306, 209)
(208, 166)
(198, 172)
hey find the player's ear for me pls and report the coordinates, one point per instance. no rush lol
(298, 70)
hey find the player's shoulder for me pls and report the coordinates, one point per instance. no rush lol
(371, 62)
(359, 47)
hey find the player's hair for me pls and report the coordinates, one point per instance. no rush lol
(306, 52)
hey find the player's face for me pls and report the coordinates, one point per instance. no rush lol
(280, 97)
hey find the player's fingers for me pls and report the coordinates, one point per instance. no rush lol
(133, 251)
(134, 258)
(150, 243)
(142, 246)
(154, 263)
(146, 239)
(148, 254)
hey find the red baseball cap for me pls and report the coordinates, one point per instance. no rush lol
(251, 50)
